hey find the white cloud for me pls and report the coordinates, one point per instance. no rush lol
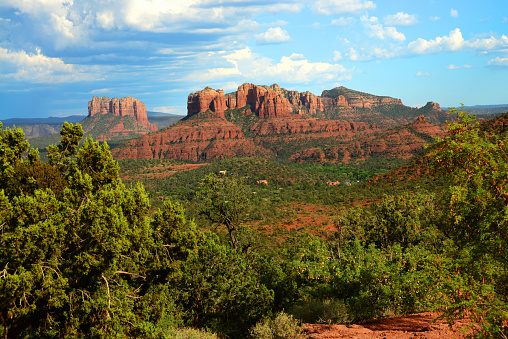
(337, 55)
(330, 7)
(245, 66)
(400, 19)
(304, 71)
(274, 35)
(434, 18)
(343, 22)
(499, 62)
(421, 74)
(488, 43)
(73, 23)
(62, 22)
(38, 68)
(375, 29)
(353, 55)
(297, 56)
(453, 42)
(452, 66)
(505, 20)
(454, 13)
(105, 19)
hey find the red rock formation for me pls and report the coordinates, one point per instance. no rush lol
(338, 101)
(272, 105)
(231, 102)
(127, 106)
(312, 102)
(213, 138)
(267, 103)
(207, 99)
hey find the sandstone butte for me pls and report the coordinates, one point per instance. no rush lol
(284, 117)
(274, 101)
(127, 106)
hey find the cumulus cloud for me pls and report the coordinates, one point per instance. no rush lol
(274, 35)
(247, 66)
(74, 23)
(434, 18)
(304, 71)
(453, 42)
(337, 55)
(354, 55)
(343, 22)
(330, 7)
(375, 29)
(38, 68)
(400, 19)
(452, 66)
(498, 62)
(422, 74)
(454, 13)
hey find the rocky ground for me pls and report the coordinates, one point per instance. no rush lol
(420, 325)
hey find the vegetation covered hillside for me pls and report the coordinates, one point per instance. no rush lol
(85, 255)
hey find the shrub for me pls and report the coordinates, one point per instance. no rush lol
(329, 311)
(191, 333)
(284, 326)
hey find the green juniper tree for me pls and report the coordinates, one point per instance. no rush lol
(77, 255)
(475, 217)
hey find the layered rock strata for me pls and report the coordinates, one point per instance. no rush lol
(207, 99)
(127, 106)
(214, 138)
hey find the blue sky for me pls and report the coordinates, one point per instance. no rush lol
(54, 55)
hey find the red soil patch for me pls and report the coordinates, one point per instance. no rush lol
(419, 325)
(155, 172)
(187, 167)
(313, 218)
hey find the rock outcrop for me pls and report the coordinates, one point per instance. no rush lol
(266, 102)
(127, 106)
(213, 138)
(270, 121)
(207, 99)
(341, 96)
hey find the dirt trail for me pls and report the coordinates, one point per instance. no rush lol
(419, 325)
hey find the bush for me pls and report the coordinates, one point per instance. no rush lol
(329, 311)
(284, 326)
(191, 333)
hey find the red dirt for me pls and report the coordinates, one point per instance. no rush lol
(419, 325)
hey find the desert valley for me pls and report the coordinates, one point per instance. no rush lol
(241, 169)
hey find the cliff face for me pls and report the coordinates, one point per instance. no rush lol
(342, 96)
(207, 99)
(127, 106)
(270, 121)
(400, 142)
(276, 102)
(266, 102)
(212, 138)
